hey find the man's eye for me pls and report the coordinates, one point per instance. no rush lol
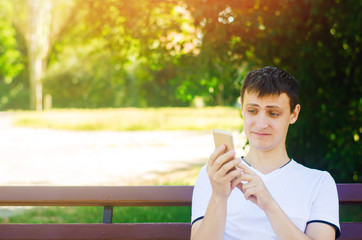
(251, 111)
(274, 114)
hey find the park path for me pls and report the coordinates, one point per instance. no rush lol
(55, 157)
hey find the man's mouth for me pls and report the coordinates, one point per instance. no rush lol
(261, 134)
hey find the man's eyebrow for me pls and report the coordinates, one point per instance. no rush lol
(274, 106)
(268, 106)
(252, 104)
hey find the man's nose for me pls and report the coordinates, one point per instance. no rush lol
(262, 121)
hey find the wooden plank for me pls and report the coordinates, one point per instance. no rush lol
(350, 193)
(96, 196)
(351, 231)
(177, 231)
(124, 195)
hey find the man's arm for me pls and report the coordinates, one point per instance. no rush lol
(317, 230)
(221, 170)
(212, 226)
(284, 228)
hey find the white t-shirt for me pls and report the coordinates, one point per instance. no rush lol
(305, 195)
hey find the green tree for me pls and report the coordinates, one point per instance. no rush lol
(141, 43)
(10, 58)
(320, 43)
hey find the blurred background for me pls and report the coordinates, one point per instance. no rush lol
(84, 81)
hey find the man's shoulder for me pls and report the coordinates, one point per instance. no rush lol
(308, 172)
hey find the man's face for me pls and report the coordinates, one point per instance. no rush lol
(266, 120)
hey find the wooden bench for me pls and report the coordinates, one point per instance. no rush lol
(108, 197)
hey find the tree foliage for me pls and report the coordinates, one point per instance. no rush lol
(135, 44)
(10, 60)
(166, 53)
(320, 43)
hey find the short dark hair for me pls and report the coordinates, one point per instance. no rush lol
(271, 81)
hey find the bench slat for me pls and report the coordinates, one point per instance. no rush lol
(349, 193)
(124, 195)
(177, 231)
(96, 196)
(351, 231)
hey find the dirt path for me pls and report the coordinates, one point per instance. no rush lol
(52, 157)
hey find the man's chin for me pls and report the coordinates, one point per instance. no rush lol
(263, 147)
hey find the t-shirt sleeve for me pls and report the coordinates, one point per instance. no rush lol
(325, 207)
(201, 195)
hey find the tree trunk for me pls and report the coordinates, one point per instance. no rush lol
(40, 22)
(38, 47)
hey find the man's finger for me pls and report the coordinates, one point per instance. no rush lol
(250, 192)
(223, 159)
(240, 186)
(237, 180)
(218, 151)
(227, 168)
(246, 169)
(247, 177)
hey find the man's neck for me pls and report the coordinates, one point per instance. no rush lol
(267, 161)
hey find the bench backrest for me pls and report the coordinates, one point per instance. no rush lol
(124, 196)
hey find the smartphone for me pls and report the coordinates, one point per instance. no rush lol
(223, 137)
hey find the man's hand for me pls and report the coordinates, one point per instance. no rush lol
(222, 169)
(254, 188)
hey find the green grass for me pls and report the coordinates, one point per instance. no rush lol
(94, 215)
(350, 213)
(127, 215)
(133, 119)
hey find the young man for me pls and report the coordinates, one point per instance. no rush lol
(268, 195)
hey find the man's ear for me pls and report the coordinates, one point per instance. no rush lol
(294, 115)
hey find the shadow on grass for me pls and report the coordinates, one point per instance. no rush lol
(185, 175)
